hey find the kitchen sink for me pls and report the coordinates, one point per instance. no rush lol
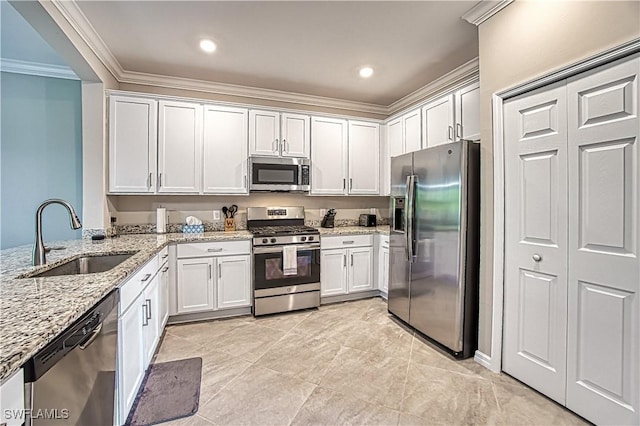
(90, 264)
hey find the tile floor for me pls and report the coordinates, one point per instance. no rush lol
(343, 364)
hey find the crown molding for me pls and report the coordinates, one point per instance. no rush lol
(248, 92)
(459, 77)
(36, 68)
(81, 25)
(484, 10)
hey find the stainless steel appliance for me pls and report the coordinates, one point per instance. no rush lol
(279, 174)
(434, 243)
(367, 220)
(71, 381)
(286, 260)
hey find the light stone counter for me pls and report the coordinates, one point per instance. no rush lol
(33, 311)
(354, 230)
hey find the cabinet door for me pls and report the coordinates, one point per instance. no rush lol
(333, 272)
(360, 269)
(234, 281)
(225, 150)
(467, 102)
(130, 356)
(438, 121)
(296, 135)
(394, 137)
(264, 133)
(328, 156)
(163, 297)
(411, 123)
(385, 162)
(179, 147)
(364, 158)
(383, 266)
(132, 144)
(151, 320)
(195, 285)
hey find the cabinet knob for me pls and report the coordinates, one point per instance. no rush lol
(536, 257)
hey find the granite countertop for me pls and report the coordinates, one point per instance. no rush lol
(354, 230)
(33, 311)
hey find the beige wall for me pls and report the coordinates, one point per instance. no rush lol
(525, 40)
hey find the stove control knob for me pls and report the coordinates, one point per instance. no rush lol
(265, 241)
(310, 238)
(303, 238)
(273, 240)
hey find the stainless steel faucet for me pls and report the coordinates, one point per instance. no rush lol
(39, 257)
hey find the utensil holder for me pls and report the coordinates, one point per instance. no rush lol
(229, 224)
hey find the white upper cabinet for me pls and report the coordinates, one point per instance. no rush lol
(364, 160)
(225, 150)
(132, 144)
(385, 162)
(438, 121)
(179, 146)
(412, 131)
(296, 135)
(264, 133)
(452, 117)
(395, 137)
(468, 112)
(328, 156)
(277, 134)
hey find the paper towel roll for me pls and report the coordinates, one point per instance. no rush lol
(161, 220)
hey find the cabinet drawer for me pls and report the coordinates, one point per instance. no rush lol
(384, 241)
(346, 241)
(163, 256)
(214, 249)
(136, 284)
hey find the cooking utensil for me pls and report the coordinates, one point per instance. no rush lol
(233, 210)
(225, 210)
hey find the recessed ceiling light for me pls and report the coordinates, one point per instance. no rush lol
(366, 72)
(207, 45)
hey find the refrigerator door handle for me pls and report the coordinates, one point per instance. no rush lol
(410, 215)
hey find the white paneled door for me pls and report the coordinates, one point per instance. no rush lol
(603, 365)
(535, 316)
(572, 272)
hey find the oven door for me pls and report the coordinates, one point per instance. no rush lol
(269, 278)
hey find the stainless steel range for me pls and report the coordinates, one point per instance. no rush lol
(286, 260)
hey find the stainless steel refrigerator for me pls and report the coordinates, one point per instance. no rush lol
(434, 243)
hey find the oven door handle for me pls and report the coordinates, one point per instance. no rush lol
(278, 249)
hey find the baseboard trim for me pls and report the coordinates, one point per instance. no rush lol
(484, 360)
(347, 297)
(210, 315)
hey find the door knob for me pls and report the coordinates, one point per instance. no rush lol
(536, 257)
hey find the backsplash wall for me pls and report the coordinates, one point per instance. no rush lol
(140, 210)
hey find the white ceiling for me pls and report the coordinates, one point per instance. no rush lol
(306, 47)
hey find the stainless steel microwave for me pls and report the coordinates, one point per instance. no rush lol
(279, 174)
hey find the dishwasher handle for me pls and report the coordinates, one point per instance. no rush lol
(80, 333)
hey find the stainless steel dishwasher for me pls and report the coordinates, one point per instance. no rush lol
(71, 381)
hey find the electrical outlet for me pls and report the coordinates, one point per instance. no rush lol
(216, 215)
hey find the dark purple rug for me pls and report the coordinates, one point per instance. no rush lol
(170, 390)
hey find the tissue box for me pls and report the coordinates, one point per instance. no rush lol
(192, 229)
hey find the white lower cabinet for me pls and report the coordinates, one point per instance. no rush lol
(346, 270)
(383, 264)
(208, 282)
(233, 274)
(141, 323)
(195, 285)
(12, 400)
(130, 356)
